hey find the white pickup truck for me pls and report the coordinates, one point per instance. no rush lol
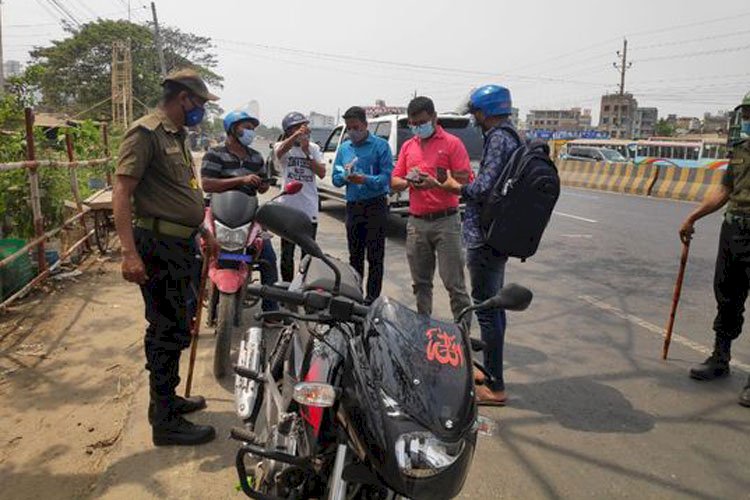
(395, 130)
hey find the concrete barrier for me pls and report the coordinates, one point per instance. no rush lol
(689, 184)
(618, 177)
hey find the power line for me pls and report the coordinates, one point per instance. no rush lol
(64, 10)
(726, 50)
(395, 64)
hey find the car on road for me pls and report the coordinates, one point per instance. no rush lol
(395, 129)
(584, 153)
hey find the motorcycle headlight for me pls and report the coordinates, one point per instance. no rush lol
(232, 239)
(422, 454)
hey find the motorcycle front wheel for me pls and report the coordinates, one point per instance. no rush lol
(226, 312)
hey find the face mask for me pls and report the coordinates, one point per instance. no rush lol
(194, 116)
(745, 129)
(357, 135)
(423, 131)
(246, 137)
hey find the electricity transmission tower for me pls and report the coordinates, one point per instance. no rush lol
(122, 83)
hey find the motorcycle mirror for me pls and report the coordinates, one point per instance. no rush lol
(291, 224)
(511, 297)
(293, 187)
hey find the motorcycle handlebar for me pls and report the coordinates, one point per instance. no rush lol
(315, 300)
(277, 294)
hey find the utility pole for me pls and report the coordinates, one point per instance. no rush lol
(2, 59)
(157, 38)
(624, 65)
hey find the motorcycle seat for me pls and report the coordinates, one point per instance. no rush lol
(318, 276)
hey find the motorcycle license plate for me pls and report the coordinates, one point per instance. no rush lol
(239, 257)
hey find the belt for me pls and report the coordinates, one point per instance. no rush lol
(166, 228)
(368, 201)
(436, 215)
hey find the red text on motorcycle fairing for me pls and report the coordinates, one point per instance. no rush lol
(443, 348)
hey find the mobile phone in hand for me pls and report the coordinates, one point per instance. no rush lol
(442, 175)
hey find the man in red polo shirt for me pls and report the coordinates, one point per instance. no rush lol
(434, 226)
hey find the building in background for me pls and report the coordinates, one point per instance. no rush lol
(568, 120)
(319, 120)
(514, 117)
(381, 109)
(12, 68)
(684, 124)
(618, 114)
(645, 122)
(715, 124)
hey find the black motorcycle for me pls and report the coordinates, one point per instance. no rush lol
(360, 402)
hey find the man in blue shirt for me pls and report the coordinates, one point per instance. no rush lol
(364, 164)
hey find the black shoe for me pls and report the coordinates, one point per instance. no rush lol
(744, 399)
(181, 405)
(714, 367)
(717, 365)
(180, 432)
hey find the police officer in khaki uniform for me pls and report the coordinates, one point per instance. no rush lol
(732, 278)
(155, 169)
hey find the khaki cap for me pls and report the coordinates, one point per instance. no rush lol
(190, 79)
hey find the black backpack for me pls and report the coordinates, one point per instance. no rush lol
(519, 206)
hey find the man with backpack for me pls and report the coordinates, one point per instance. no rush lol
(490, 106)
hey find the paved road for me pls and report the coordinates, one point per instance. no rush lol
(594, 412)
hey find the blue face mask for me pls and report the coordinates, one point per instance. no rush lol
(745, 129)
(246, 137)
(194, 116)
(423, 131)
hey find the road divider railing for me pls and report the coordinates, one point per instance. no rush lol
(617, 177)
(689, 184)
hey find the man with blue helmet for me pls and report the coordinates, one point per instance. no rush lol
(236, 154)
(490, 106)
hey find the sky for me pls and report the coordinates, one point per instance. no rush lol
(687, 57)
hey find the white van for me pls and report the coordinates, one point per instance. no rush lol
(395, 130)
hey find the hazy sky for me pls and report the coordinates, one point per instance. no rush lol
(688, 57)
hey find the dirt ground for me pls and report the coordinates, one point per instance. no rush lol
(70, 361)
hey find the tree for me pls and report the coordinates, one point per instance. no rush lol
(74, 74)
(664, 129)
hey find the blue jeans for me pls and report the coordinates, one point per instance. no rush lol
(487, 272)
(269, 274)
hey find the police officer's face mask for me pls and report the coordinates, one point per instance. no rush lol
(193, 116)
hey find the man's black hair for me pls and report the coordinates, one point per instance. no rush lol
(419, 104)
(170, 90)
(357, 113)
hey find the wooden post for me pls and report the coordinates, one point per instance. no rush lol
(74, 184)
(105, 140)
(36, 200)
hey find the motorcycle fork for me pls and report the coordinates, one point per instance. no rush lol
(337, 489)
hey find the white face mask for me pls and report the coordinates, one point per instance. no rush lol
(357, 135)
(246, 137)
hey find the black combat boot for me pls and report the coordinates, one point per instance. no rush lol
(717, 365)
(745, 395)
(169, 428)
(181, 405)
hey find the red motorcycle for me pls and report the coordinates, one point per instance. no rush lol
(231, 220)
